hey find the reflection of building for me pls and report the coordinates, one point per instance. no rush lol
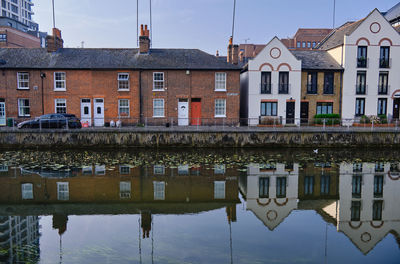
(271, 191)
(367, 209)
(15, 233)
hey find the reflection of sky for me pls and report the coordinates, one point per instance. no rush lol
(204, 238)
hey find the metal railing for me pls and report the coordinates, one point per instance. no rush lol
(385, 63)
(283, 88)
(362, 62)
(265, 88)
(383, 89)
(261, 122)
(361, 89)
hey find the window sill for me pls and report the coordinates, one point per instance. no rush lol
(163, 90)
(220, 90)
(22, 88)
(60, 90)
(24, 116)
(123, 90)
(220, 116)
(158, 116)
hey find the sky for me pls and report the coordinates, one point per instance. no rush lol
(201, 24)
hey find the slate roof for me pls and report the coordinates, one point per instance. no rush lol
(76, 58)
(336, 37)
(316, 60)
(393, 12)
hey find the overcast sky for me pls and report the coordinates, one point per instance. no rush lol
(202, 24)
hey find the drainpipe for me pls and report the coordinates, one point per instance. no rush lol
(341, 94)
(42, 76)
(140, 98)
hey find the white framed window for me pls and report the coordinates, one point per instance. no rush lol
(87, 170)
(123, 81)
(220, 108)
(23, 80)
(100, 169)
(63, 191)
(158, 107)
(60, 81)
(159, 190)
(123, 107)
(24, 108)
(219, 189)
(60, 106)
(219, 169)
(159, 169)
(183, 169)
(27, 191)
(158, 81)
(124, 190)
(124, 170)
(220, 81)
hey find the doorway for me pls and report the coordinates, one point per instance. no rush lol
(86, 111)
(304, 112)
(98, 112)
(290, 112)
(2, 113)
(396, 106)
(196, 112)
(183, 112)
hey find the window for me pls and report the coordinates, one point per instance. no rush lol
(219, 169)
(269, 108)
(324, 108)
(14, 9)
(360, 106)
(3, 37)
(382, 106)
(356, 186)
(59, 81)
(377, 210)
(355, 210)
(158, 81)
(61, 106)
(265, 82)
(159, 190)
(309, 185)
(159, 169)
(357, 167)
(158, 108)
(23, 107)
(308, 44)
(123, 107)
(183, 169)
(362, 57)
(63, 191)
(23, 80)
(280, 187)
(298, 44)
(378, 186)
(27, 191)
(220, 108)
(87, 170)
(361, 85)
(328, 83)
(123, 81)
(124, 190)
(314, 44)
(220, 81)
(312, 84)
(325, 184)
(3, 3)
(383, 83)
(263, 187)
(304, 44)
(283, 82)
(219, 190)
(379, 167)
(384, 57)
(124, 170)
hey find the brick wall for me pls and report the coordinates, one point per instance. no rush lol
(18, 39)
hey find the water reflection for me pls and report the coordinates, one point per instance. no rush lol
(360, 199)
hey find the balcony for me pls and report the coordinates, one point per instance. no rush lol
(284, 88)
(362, 62)
(383, 89)
(385, 63)
(361, 89)
(265, 88)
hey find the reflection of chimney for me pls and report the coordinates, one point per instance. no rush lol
(241, 56)
(146, 224)
(144, 40)
(217, 54)
(230, 50)
(55, 41)
(60, 223)
(231, 213)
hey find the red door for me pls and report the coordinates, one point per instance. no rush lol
(196, 113)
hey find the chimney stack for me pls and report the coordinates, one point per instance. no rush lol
(144, 40)
(230, 50)
(55, 41)
(233, 52)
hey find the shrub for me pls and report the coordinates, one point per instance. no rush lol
(365, 120)
(269, 120)
(330, 119)
(383, 119)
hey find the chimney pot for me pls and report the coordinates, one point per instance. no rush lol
(141, 30)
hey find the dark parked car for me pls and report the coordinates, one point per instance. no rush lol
(52, 121)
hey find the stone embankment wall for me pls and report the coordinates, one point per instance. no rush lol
(18, 139)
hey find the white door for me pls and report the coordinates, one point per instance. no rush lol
(98, 116)
(86, 112)
(183, 112)
(2, 114)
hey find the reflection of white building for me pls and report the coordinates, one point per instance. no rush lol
(16, 232)
(271, 191)
(368, 208)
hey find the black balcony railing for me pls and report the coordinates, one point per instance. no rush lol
(384, 63)
(283, 88)
(383, 89)
(266, 88)
(361, 89)
(362, 62)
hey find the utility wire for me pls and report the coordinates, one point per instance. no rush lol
(233, 20)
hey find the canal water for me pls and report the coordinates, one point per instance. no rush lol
(200, 206)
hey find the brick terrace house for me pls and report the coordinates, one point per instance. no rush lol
(134, 85)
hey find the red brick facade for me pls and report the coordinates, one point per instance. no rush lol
(18, 39)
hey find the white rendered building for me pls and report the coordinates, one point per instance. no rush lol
(369, 52)
(19, 10)
(271, 87)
